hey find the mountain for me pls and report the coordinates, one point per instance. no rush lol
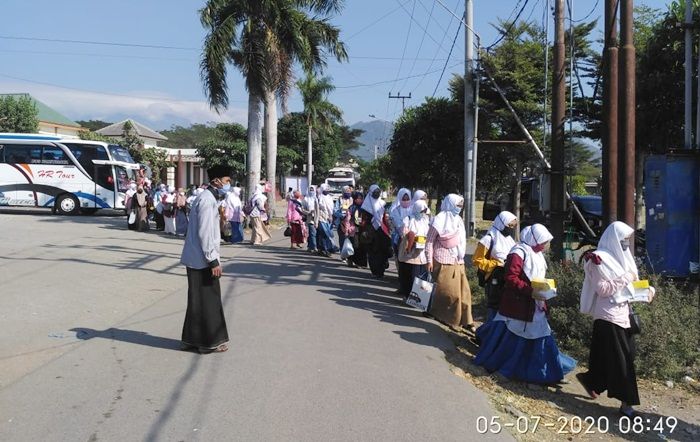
(376, 132)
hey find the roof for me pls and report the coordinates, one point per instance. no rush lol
(45, 113)
(117, 130)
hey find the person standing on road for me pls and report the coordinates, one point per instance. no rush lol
(235, 215)
(258, 217)
(374, 232)
(490, 258)
(411, 256)
(325, 220)
(295, 221)
(139, 206)
(351, 226)
(181, 213)
(444, 251)
(609, 272)
(340, 214)
(205, 325)
(309, 207)
(158, 203)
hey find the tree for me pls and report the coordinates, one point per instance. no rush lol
(187, 137)
(375, 172)
(225, 146)
(320, 114)
(93, 125)
(18, 114)
(329, 147)
(155, 158)
(264, 40)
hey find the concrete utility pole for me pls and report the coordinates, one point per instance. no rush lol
(610, 91)
(627, 117)
(558, 190)
(403, 99)
(688, 126)
(697, 112)
(469, 121)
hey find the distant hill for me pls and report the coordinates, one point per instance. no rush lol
(376, 132)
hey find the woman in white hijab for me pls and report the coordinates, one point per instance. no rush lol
(309, 207)
(610, 270)
(518, 342)
(127, 204)
(490, 257)
(260, 233)
(374, 232)
(411, 257)
(234, 214)
(169, 210)
(325, 218)
(445, 250)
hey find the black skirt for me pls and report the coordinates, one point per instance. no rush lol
(611, 363)
(205, 325)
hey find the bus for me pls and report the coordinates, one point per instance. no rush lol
(66, 175)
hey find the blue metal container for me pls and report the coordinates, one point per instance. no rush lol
(672, 196)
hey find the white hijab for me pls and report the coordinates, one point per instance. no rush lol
(397, 212)
(374, 206)
(325, 202)
(259, 195)
(310, 198)
(615, 261)
(233, 199)
(419, 195)
(502, 245)
(419, 222)
(534, 264)
(448, 224)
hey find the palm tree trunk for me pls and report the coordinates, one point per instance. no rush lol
(271, 142)
(255, 119)
(309, 159)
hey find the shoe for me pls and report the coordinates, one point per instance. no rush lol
(592, 394)
(629, 412)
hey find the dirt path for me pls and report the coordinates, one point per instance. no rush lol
(564, 412)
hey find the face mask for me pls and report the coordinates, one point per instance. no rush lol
(419, 215)
(376, 194)
(325, 192)
(406, 204)
(507, 231)
(140, 191)
(346, 195)
(456, 210)
(625, 243)
(226, 187)
(222, 192)
(538, 248)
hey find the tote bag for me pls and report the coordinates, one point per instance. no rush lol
(421, 292)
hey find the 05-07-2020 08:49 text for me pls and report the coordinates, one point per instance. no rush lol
(578, 425)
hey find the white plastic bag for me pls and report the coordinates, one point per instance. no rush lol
(348, 250)
(132, 218)
(421, 292)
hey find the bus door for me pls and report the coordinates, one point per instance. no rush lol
(104, 186)
(112, 180)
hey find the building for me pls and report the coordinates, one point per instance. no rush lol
(186, 169)
(51, 122)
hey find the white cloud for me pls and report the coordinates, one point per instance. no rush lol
(151, 108)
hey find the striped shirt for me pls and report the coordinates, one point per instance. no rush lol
(434, 251)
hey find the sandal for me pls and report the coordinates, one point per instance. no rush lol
(220, 349)
(592, 394)
(629, 412)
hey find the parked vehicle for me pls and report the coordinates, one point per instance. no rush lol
(338, 178)
(67, 176)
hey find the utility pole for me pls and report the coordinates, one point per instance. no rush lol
(402, 98)
(627, 116)
(469, 121)
(688, 127)
(558, 190)
(610, 91)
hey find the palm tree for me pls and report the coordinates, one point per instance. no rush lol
(320, 114)
(264, 39)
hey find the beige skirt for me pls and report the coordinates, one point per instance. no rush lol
(452, 300)
(260, 232)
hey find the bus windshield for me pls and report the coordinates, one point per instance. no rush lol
(119, 153)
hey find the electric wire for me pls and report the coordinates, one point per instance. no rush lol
(420, 46)
(510, 27)
(448, 57)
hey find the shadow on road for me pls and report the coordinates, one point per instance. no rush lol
(130, 336)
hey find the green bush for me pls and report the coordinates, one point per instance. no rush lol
(669, 346)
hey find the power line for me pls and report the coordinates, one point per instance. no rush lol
(377, 83)
(448, 57)
(405, 44)
(510, 27)
(363, 29)
(420, 46)
(441, 41)
(103, 43)
(427, 33)
(595, 7)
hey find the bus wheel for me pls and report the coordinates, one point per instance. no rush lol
(67, 205)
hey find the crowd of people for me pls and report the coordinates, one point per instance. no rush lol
(515, 340)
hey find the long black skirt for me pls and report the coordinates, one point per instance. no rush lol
(205, 325)
(611, 363)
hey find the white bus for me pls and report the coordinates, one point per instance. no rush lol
(339, 177)
(67, 176)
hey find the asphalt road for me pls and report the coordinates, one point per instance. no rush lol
(92, 316)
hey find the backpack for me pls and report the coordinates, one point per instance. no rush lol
(248, 208)
(480, 273)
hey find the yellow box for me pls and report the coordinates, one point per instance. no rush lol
(642, 284)
(543, 284)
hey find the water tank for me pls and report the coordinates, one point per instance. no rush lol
(672, 187)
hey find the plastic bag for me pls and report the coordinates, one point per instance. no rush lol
(421, 292)
(348, 250)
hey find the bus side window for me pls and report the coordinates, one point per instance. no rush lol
(54, 155)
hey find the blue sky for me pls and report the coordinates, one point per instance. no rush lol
(161, 86)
